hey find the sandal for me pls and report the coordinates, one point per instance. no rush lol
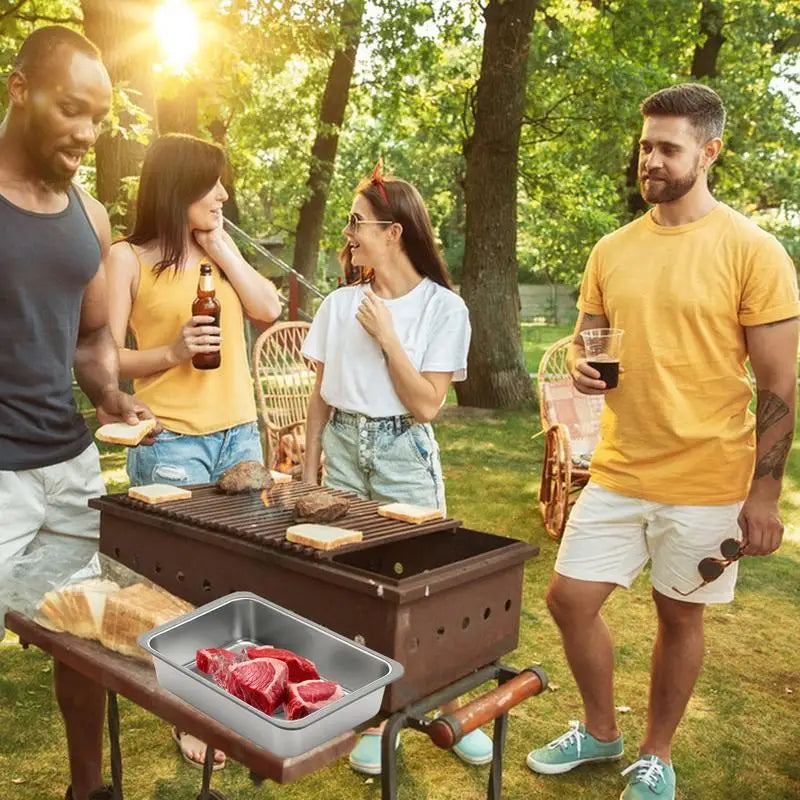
(188, 744)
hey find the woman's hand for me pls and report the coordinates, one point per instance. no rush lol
(198, 335)
(217, 244)
(376, 319)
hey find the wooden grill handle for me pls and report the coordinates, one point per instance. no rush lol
(446, 730)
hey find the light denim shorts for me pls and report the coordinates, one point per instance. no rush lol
(388, 459)
(178, 458)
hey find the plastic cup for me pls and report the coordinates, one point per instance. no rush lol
(602, 348)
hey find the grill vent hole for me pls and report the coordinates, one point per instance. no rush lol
(414, 644)
(465, 623)
(158, 568)
(180, 576)
(116, 553)
(440, 632)
(206, 585)
(508, 605)
(487, 612)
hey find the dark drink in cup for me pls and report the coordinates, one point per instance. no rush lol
(609, 371)
(602, 348)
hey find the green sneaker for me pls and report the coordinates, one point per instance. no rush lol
(574, 748)
(652, 778)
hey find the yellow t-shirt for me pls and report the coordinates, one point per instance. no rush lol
(677, 429)
(185, 399)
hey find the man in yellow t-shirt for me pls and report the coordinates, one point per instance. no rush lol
(683, 464)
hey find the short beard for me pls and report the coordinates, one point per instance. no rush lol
(50, 177)
(669, 191)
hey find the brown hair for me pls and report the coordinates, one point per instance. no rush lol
(701, 105)
(178, 170)
(397, 200)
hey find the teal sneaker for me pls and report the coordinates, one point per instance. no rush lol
(652, 778)
(475, 748)
(366, 755)
(574, 748)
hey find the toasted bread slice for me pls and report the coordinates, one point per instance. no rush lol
(279, 477)
(409, 513)
(322, 537)
(122, 433)
(158, 493)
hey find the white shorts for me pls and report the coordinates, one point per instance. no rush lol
(610, 537)
(49, 504)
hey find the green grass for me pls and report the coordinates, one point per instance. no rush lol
(537, 338)
(739, 738)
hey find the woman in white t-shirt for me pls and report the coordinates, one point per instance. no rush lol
(387, 350)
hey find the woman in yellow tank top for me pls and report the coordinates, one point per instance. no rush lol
(209, 416)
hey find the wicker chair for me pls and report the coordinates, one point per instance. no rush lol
(284, 380)
(571, 423)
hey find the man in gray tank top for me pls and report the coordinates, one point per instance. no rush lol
(53, 320)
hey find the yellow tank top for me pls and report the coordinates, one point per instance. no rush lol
(185, 399)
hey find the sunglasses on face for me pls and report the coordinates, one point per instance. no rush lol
(711, 568)
(353, 221)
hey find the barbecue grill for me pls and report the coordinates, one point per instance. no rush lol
(440, 598)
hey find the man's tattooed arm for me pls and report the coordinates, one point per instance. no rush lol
(771, 411)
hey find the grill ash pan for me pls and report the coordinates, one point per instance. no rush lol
(241, 620)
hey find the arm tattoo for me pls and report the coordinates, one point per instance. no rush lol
(772, 463)
(770, 410)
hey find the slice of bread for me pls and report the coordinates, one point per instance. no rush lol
(322, 537)
(158, 493)
(409, 513)
(122, 433)
(280, 477)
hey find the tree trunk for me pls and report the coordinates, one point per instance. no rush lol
(704, 65)
(178, 110)
(120, 31)
(497, 377)
(323, 152)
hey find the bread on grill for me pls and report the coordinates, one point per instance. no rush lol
(246, 476)
(280, 477)
(155, 493)
(410, 513)
(322, 537)
(320, 506)
(122, 433)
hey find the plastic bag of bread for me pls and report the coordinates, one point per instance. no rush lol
(97, 599)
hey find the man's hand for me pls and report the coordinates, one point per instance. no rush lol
(117, 406)
(375, 318)
(586, 379)
(762, 529)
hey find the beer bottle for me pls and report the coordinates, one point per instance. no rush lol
(207, 305)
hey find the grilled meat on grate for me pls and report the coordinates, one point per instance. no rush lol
(246, 476)
(320, 507)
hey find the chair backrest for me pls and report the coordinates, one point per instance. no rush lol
(561, 402)
(284, 380)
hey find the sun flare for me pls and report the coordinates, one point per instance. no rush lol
(177, 30)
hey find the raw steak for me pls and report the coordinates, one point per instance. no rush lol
(300, 669)
(320, 507)
(212, 660)
(304, 698)
(246, 476)
(260, 682)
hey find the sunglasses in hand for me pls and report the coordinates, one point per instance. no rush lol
(711, 568)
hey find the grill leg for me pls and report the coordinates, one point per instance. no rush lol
(394, 725)
(495, 791)
(116, 753)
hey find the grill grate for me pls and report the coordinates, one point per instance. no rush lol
(244, 516)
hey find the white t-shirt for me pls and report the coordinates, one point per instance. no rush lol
(432, 323)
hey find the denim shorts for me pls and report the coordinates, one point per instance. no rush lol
(388, 459)
(178, 458)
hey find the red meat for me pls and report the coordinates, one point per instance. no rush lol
(260, 682)
(305, 697)
(214, 660)
(300, 669)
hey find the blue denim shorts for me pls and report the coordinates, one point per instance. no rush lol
(178, 458)
(388, 459)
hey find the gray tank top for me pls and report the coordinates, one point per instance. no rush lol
(46, 262)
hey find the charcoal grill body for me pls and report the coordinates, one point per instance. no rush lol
(441, 599)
